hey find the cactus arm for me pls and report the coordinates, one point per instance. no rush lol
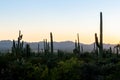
(96, 40)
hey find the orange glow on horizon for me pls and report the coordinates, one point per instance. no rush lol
(86, 39)
(59, 38)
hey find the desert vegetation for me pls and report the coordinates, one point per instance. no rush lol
(24, 64)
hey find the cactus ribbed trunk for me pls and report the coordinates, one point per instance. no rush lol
(51, 40)
(101, 34)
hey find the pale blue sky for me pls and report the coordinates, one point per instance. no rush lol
(65, 18)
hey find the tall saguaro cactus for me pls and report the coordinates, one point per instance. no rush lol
(77, 46)
(18, 47)
(100, 44)
(51, 40)
(78, 43)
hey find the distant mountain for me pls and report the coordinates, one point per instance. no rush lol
(68, 46)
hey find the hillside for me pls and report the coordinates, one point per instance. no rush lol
(68, 46)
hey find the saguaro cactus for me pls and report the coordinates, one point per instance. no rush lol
(51, 40)
(100, 45)
(75, 50)
(78, 43)
(27, 50)
(18, 47)
(117, 47)
(19, 39)
(38, 48)
(46, 46)
(82, 48)
(14, 47)
(77, 46)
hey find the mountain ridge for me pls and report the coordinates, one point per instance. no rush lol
(67, 46)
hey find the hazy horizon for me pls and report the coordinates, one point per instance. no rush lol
(64, 18)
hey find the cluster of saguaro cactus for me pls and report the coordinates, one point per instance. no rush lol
(77, 46)
(17, 48)
(100, 45)
(46, 46)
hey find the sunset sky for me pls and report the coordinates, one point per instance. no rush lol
(64, 18)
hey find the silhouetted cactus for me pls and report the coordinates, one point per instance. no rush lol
(78, 43)
(19, 39)
(51, 41)
(100, 45)
(27, 50)
(13, 47)
(75, 50)
(46, 46)
(17, 48)
(77, 46)
(117, 47)
(110, 50)
(81, 48)
(38, 48)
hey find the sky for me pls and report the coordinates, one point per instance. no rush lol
(64, 18)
